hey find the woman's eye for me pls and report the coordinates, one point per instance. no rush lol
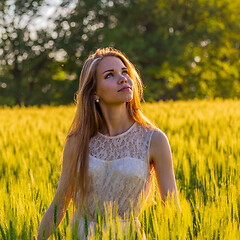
(125, 72)
(109, 75)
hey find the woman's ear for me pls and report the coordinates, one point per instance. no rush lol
(96, 98)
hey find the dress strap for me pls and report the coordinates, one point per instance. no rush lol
(146, 145)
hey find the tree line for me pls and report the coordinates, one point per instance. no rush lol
(183, 49)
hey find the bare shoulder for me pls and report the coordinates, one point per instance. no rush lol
(68, 150)
(67, 166)
(159, 139)
(163, 164)
(68, 144)
(159, 144)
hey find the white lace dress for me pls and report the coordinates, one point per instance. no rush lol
(119, 176)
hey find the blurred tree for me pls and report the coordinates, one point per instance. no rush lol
(23, 52)
(183, 49)
(28, 70)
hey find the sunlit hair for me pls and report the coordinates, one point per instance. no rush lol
(88, 118)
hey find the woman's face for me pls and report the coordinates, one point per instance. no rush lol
(114, 85)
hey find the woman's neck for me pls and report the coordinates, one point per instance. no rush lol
(116, 119)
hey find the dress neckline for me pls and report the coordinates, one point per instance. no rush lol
(119, 135)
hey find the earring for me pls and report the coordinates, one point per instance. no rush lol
(97, 100)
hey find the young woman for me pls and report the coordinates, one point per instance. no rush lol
(111, 149)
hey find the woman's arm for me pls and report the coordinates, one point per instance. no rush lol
(60, 201)
(161, 157)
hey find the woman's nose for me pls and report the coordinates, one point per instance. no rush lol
(122, 80)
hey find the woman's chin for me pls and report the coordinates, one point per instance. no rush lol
(128, 97)
(121, 100)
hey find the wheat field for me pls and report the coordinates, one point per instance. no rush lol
(205, 140)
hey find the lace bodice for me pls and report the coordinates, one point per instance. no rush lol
(128, 144)
(119, 171)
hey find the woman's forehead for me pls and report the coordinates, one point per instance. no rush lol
(110, 63)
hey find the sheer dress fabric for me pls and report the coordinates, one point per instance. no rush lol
(119, 178)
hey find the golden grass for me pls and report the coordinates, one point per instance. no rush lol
(205, 139)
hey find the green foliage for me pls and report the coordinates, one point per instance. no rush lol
(183, 49)
(204, 138)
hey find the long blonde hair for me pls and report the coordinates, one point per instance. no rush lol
(88, 118)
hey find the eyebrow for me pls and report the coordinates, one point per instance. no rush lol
(112, 70)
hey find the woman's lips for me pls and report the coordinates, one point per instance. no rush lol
(124, 89)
